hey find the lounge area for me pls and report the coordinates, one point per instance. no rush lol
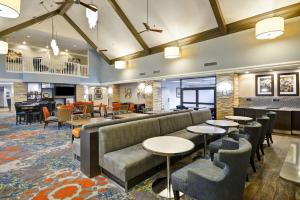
(142, 100)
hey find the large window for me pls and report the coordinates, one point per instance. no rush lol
(198, 92)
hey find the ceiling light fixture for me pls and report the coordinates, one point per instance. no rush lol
(3, 47)
(10, 8)
(172, 52)
(269, 28)
(92, 16)
(24, 42)
(120, 64)
(53, 42)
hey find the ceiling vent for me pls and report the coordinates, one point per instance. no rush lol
(156, 71)
(142, 74)
(210, 64)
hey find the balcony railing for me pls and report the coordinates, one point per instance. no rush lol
(45, 66)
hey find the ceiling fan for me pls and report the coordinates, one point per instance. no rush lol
(80, 3)
(147, 27)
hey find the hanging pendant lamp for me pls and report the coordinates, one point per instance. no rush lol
(10, 8)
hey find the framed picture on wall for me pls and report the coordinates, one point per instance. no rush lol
(178, 92)
(264, 85)
(288, 84)
(98, 93)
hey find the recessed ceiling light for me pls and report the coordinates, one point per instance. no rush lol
(28, 36)
(66, 50)
(246, 72)
(24, 42)
(47, 47)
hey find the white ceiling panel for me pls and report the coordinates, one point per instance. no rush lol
(177, 18)
(29, 10)
(113, 33)
(235, 10)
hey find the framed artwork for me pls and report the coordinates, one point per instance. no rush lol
(264, 85)
(178, 92)
(128, 93)
(288, 84)
(98, 93)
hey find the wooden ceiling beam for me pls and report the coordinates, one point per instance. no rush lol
(28, 23)
(218, 15)
(286, 12)
(65, 7)
(85, 37)
(129, 25)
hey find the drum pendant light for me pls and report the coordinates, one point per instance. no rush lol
(10, 8)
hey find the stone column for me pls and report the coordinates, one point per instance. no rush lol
(226, 101)
(116, 93)
(20, 93)
(80, 93)
(157, 96)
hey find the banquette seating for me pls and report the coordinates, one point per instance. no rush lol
(120, 154)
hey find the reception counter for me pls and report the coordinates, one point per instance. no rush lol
(287, 119)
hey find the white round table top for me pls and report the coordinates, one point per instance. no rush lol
(222, 123)
(239, 118)
(210, 130)
(168, 145)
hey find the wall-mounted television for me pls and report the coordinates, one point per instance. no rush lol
(64, 91)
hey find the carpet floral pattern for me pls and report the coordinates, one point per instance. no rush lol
(37, 163)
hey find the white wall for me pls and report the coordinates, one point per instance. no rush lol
(230, 51)
(247, 82)
(169, 99)
(134, 98)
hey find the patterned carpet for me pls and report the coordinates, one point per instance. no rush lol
(38, 164)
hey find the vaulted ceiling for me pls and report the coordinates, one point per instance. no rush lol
(183, 22)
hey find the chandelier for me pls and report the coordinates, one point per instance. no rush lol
(92, 16)
(53, 42)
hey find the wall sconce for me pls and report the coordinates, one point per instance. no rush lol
(225, 88)
(110, 91)
(148, 89)
(172, 52)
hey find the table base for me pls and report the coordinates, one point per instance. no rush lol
(159, 187)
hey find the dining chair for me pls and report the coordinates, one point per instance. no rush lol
(272, 116)
(47, 117)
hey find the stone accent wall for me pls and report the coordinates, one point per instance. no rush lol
(80, 93)
(157, 96)
(20, 92)
(226, 102)
(116, 93)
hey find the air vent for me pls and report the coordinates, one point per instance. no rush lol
(248, 99)
(142, 74)
(210, 64)
(275, 99)
(156, 71)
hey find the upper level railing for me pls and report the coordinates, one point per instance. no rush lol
(45, 66)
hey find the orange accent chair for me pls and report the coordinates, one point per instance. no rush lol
(47, 117)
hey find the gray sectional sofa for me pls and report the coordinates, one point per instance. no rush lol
(121, 155)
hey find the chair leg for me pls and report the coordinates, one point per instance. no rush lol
(257, 153)
(252, 164)
(262, 149)
(212, 156)
(176, 195)
(271, 138)
(268, 141)
(46, 124)
(247, 178)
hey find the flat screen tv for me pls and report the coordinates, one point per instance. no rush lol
(64, 91)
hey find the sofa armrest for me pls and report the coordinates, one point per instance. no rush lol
(89, 153)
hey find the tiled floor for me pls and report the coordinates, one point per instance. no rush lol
(38, 164)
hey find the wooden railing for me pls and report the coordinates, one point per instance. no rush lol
(46, 66)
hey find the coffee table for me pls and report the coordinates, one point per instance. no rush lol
(81, 122)
(226, 124)
(239, 118)
(168, 146)
(206, 130)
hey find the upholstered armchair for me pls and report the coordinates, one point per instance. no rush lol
(63, 115)
(222, 179)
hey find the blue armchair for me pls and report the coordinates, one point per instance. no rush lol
(222, 179)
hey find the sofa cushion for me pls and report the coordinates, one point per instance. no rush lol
(172, 123)
(130, 162)
(200, 116)
(197, 139)
(119, 136)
